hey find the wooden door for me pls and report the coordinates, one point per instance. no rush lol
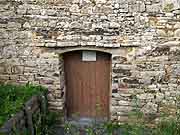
(87, 85)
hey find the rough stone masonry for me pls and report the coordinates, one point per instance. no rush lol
(143, 37)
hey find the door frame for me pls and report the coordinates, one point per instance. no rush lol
(110, 81)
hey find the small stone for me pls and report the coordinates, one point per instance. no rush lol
(76, 1)
(116, 5)
(50, 44)
(21, 11)
(51, 12)
(155, 8)
(14, 25)
(150, 108)
(159, 97)
(169, 14)
(123, 103)
(114, 25)
(170, 33)
(100, 1)
(27, 25)
(116, 95)
(114, 102)
(75, 25)
(98, 37)
(142, 7)
(52, 23)
(145, 96)
(177, 33)
(161, 32)
(177, 25)
(171, 43)
(74, 8)
(60, 37)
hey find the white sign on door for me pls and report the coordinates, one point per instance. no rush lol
(88, 56)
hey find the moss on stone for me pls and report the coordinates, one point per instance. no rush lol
(168, 7)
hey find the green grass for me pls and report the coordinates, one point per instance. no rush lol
(13, 97)
(165, 127)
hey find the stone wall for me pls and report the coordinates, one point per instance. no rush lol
(144, 33)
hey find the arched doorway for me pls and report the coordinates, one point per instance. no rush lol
(88, 83)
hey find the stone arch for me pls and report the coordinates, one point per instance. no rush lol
(104, 50)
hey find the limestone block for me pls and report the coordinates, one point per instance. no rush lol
(159, 97)
(154, 8)
(100, 1)
(4, 77)
(146, 80)
(123, 8)
(14, 25)
(87, 9)
(126, 95)
(124, 103)
(14, 77)
(177, 25)
(170, 33)
(47, 55)
(150, 108)
(171, 43)
(46, 80)
(50, 44)
(74, 8)
(167, 94)
(26, 25)
(51, 12)
(116, 95)
(161, 33)
(114, 102)
(7, 14)
(75, 25)
(21, 11)
(75, 1)
(141, 6)
(114, 25)
(145, 96)
(122, 118)
(62, 44)
(56, 108)
(99, 44)
(117, 6)
(91, 43)
(34, 11)
(122, 113)
(177, 33)
(2, 69)
(52, 23)
(3, 34)
(17, 69)
(115, 109)
(55, 103)
(170, 5)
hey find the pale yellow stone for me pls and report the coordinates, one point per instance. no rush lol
(170, 33)
(161, 33)
(99, 1)
(177, 33)
(177, 25)
(74, 8)
(171, 43)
